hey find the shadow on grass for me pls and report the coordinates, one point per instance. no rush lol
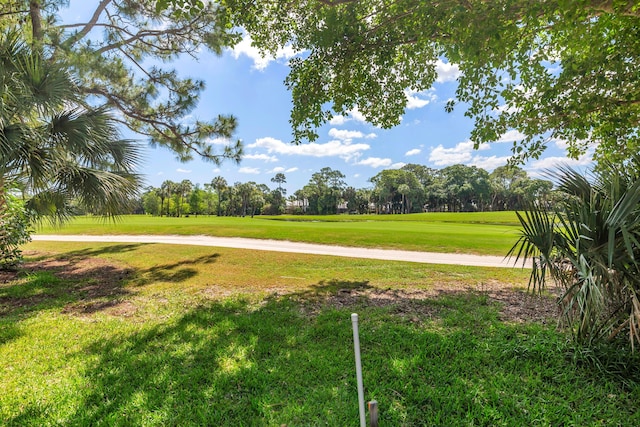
(173, 272)
(241, 363)
(333, 286)
(80, 282)
(103, 250)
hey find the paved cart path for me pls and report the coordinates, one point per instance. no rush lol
(296, 247)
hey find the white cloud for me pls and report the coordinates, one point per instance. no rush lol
(279, 169)
(464, 153)
(216, 170)
(180, 170)
(264, 157)
(511, 135)
(447, 72)
(415, 102)
(419, 99)
(219, 141)
(510, 108)
(339, 120)
(374, 162)
(563, 143)
(345, 135)
(357, 115)
(413, 152)
(349, 135)
(329, 149)
(353, 114)
(489, 163)
(260, 62)
(560, 143)
(553, 162)
(506, 108)
(441, 156)
(397, 165)
(461, 153)
(247, 170)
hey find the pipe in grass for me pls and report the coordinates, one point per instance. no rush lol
(356, 347)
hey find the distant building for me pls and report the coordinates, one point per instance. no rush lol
(296, 206)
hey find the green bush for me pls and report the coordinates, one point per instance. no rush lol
(589, 245)
(15, 230)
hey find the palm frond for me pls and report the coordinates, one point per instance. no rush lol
(536, 242)
(101, 192)
(60, 148)
(596, 234)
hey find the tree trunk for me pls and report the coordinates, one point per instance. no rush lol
(36, 21)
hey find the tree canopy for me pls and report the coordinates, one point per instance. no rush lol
(53, 147)
(551, 69)
(120, 56)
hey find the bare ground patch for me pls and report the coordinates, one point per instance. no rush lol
(89, 285)
(516, 305)
(96, 285)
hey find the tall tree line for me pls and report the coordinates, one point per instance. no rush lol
(410, 189)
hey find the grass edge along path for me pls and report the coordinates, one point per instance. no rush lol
(298, 247)
(479, 234)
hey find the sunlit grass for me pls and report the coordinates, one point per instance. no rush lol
(234, 270)
(211, 336)
(476, 233)
(149, 334)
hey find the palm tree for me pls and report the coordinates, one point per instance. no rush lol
(53, 145)
(589, 245)
(404, 189)
(167, 189)
(183, 190)
(160, 193)
(280, 179)
(219, 183)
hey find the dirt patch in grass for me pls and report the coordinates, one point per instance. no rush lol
(7, 277)
(96, 285)
(516, 305)
(90, 284)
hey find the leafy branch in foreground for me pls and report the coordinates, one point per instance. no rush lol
(590, 246)
(119, 56)
(53, 147)
(552, 70)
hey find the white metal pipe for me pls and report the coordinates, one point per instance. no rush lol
(356, 347)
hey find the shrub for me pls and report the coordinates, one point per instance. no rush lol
(589, 245)
(15, 230)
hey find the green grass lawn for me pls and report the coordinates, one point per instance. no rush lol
(161, 335)
(490, 233)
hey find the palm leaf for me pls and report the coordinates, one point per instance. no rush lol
(535, 242)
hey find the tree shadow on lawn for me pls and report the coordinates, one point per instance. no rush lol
(79, 282)
(174, 273)
(514, 305)
(241, 363)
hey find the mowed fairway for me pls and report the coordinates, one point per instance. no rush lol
(133, 334)
(490, 233)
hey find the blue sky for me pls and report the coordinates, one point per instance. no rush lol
(242, 83)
